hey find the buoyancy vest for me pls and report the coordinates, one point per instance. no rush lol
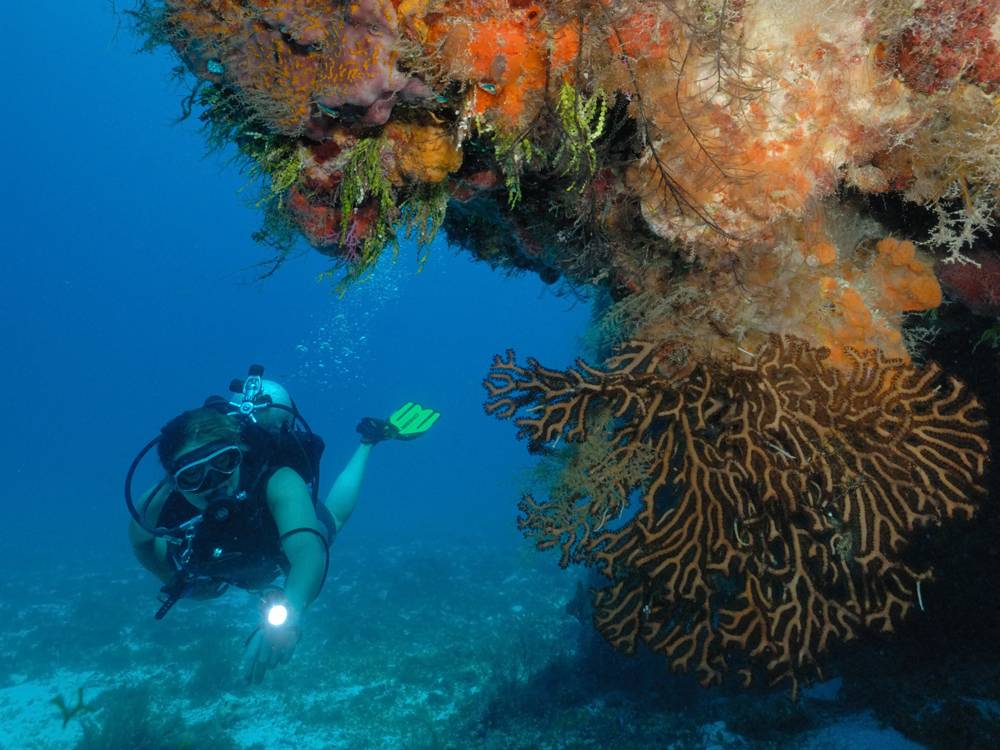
(236, 540)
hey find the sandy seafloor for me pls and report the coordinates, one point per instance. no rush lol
(416, 646)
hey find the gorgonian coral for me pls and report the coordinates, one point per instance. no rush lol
(751, 513)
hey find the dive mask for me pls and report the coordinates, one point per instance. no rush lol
(207, 467)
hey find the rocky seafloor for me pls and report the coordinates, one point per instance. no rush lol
(463, 644)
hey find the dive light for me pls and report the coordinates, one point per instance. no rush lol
(274, 608)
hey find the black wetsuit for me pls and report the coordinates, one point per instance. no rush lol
(237, 540)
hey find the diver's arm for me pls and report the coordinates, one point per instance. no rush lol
(343, 495)
(290, 503)
(151, 551)
(406, 423)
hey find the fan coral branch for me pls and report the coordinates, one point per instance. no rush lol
(776, 505)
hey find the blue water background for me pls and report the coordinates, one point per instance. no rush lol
(127, 295)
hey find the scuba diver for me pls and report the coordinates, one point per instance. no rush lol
(239, 506)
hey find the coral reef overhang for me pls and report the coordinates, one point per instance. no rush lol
(637, 146)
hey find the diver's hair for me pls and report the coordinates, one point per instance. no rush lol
(205, 425)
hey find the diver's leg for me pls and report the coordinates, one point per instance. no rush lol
(344, 493)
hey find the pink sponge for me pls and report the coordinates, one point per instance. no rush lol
(977, 287)
(950, 40)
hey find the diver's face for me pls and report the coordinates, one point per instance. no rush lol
(227, 488)
(206, 471)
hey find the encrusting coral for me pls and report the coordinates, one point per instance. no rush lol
(777, 494)
(293, 62)
(947, 40)
(711, 134)
(713, 167)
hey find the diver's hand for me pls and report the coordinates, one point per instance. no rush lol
(406, 423)
(266, 648)
(274, 640)
(374, 430)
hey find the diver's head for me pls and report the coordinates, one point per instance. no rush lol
(201, 451)
(281, 414)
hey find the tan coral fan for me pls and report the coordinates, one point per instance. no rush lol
(773, 515)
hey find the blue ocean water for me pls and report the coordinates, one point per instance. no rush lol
(130, 292)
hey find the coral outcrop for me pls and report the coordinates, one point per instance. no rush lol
(702, 144)
(948, 40)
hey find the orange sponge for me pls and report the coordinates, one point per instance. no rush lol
(907, 283)
(508, 52)
(421, 153)
(864, 305)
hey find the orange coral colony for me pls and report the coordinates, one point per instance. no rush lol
(509, 55)
(865, 304)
